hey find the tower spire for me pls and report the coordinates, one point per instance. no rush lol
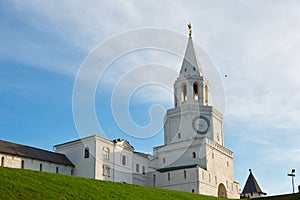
(190, 64)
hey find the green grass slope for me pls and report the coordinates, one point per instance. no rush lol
(282, 197)
(26, 184)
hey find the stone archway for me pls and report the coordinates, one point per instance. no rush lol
(222, 191)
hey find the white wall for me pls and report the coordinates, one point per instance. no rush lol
(140, 178)
(84, 167)
(177, 180)
(33, 164)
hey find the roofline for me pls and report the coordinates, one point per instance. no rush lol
(178, 168)
(73, 141)
(33, 157)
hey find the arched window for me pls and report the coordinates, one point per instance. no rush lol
(184, 93)
(137, 166)
(143, 170)
(86, 152)
(106, 153)
(123, 160)
(206, 95)
(196, 91)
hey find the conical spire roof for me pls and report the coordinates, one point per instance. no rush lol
(190, 64)
(251, 185)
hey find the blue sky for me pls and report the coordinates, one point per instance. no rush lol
(256, 43)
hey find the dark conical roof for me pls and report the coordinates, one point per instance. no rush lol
(251, 185)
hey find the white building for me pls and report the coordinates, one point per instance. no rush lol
(99, 158)
(24, 157)
(193, 157)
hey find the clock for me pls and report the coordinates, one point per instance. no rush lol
(201, 124)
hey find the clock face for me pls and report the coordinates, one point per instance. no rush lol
(200, 124)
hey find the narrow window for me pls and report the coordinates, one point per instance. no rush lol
(164, 160)
(154, 177)
(206, 96)
(56, 170)
(202, 175)
(184, 174)
(137, 166)
(209, 178)
(216, 180)
(2, 161)
(227, 164)
(22, 164)
(41, 167)
(106, 170)
(227, 184)
(86, 152)
(143, 170)
(196, 91)
(106, 153)
(72, 172)
(184, 93)
(169, 176)
(212, 155)
(194, 154)
(175, 97)
(178, 135)
(123, 160)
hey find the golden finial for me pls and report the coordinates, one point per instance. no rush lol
(190, 29)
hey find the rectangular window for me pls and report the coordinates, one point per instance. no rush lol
(72, 172)
(144, 170)
(137, 166)
(184, 174)
(56, 170)
(123, 160)
(169, 176)
(86, 152)
(2, 161)
(41, 167)
(106, 170)
(194, 154)
(22, 164)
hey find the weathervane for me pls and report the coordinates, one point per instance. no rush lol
(190, 29)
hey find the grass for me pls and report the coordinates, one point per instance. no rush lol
(282, 197)
(27, 184)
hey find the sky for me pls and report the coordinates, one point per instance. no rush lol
(45, 44)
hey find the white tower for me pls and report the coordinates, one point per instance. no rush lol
(193, 157)
(192, 116)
